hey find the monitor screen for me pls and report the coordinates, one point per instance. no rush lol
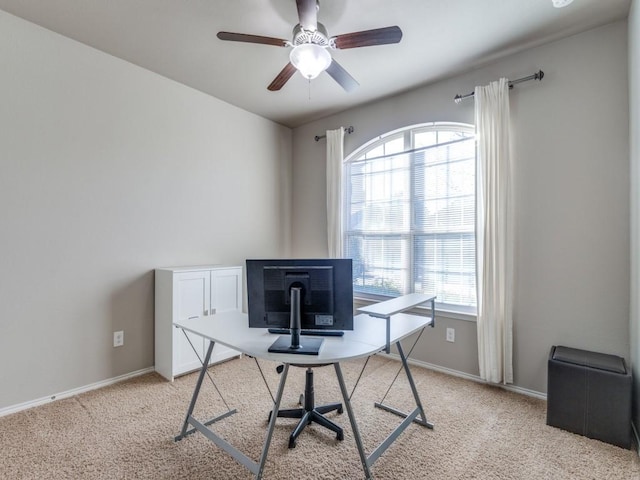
(326, 293)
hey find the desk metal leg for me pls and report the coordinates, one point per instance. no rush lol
(196, 392)
(419, 410)
(256, 468)
(354, 425)
(194, 398)
(367, 462)
(272, 422)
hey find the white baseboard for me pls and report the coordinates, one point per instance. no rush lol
(70, 393)
(475, 378)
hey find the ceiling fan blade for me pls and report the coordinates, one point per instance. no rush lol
(308, 14)
(243, 37)
(282, 77)
(341, 76)
(368, 38)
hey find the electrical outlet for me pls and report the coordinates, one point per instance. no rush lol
(118, 338)
(451, 335)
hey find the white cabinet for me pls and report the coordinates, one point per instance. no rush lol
(185, 292)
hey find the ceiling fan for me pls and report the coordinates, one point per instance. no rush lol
(311, 43)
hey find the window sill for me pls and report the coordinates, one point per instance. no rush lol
(443, 311)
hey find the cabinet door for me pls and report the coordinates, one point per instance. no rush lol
(192, 291)
(226, 289)
(226, 295)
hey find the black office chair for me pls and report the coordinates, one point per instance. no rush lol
(310, 413)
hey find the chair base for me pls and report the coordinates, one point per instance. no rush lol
(310, 413)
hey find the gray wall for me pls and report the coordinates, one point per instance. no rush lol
(634, 140)
(571, 152)
(108, 171)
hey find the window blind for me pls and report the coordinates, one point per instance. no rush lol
(410, 216)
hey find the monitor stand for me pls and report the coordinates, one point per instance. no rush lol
(310, 346)
(291, 343)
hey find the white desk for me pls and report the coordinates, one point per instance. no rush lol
(368, 337)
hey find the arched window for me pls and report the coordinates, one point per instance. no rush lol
(409, 219)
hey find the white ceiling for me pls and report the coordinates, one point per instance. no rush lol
(177, 39)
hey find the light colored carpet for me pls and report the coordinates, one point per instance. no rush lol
(126, 432)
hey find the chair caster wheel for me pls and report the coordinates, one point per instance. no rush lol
(292, 444)
(301, 399)
(269, 419)
(340, 410)
(340, 436)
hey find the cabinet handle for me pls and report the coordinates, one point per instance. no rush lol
(195, 316)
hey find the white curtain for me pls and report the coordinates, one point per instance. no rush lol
(494, 230)
(335, 152)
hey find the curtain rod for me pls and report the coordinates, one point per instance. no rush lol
(346, 130)
(536, 76)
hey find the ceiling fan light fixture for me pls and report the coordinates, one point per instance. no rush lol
(310, 59)
(561, 3)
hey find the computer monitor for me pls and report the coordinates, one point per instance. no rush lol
(307, 297)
